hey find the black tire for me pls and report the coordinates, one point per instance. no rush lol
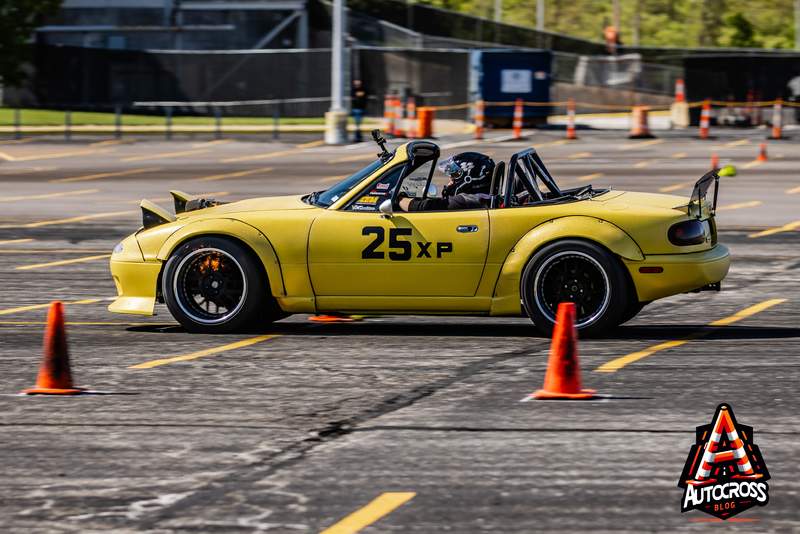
(215, 285)
(633, 309)
(591, 277)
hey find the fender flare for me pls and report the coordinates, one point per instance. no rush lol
(592, 229)
(249, 235)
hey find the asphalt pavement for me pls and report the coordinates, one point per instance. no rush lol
(393, 423)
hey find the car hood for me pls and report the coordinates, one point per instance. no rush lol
(293, 202)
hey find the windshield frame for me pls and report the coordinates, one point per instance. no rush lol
(328, 197)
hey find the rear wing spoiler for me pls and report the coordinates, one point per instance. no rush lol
(698, 200)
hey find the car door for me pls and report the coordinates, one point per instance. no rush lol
(358, 251)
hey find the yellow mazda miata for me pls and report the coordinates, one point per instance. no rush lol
(223, 267)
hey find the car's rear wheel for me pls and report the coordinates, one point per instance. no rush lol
(215, 285)
(579, 272)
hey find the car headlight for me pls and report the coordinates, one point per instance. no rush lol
(119, 248)
(686, 233)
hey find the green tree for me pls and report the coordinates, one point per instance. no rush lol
(743, 34)
(18, 19)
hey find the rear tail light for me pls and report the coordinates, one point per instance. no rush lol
(692, 232)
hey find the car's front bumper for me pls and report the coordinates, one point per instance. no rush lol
(136, 286)
(681, 272)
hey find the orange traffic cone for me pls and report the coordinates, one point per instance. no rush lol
(762, 152)
(563, 377)
(705, 119)
(519, 116)
(480, 118)
(777, 120)
(714, 160)
(571, 135)
(335, 318)
(54, 374)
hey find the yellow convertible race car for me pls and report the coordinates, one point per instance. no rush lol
(224, 267)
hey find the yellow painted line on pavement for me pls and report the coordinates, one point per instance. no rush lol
(212, 143)
(740, 142)
(17, 172)
(580, 155)
(674, 187)
(85, 323)
(256, 157)
(588, 177)
(357, 157)
(640, 144)
(9, 311)
(50, 195)
(203, 353)
(751, 164)
(740, 205)
(61, 262)
(23, 251)
(679, 155)
(166, 155)
(215, 177)
(18, 141)
(311, 144)
(87, 177)
(780, 229)
(642, 164)
(68, 220)
(334, 178)
(52, 155)
(553, 143)
(15, 241)
(110, 142)
(381, 506)
(793, 190)
(615, 365)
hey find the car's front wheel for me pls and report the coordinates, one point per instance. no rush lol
(579, 272)
(214, 285)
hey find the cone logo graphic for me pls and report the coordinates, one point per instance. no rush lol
(55, 377)
(725, 473)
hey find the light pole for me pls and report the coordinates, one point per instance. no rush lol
(797, 24)
(336, 117)
(540, 15)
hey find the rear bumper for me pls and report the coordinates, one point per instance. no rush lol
(682, 272)
(136, 286)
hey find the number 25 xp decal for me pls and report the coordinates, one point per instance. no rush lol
(725, 473)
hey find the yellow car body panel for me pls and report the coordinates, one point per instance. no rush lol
(323, 259)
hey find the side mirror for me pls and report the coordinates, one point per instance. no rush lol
(727, 170)
(386, 208)
(433, 190)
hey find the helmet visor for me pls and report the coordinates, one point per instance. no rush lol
(450, 167)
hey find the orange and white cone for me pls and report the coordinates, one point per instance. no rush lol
(705, 119)
(571, 135)
(411, 118)
(399, 123)
(388, 115)
(519, 111)
(640, 128)
(762, 152)
(55, 377)
(480, 118)
(680, 90)
(777, 120)
(563, 377)
(714, 160)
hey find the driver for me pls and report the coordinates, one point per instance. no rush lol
(470, 179)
